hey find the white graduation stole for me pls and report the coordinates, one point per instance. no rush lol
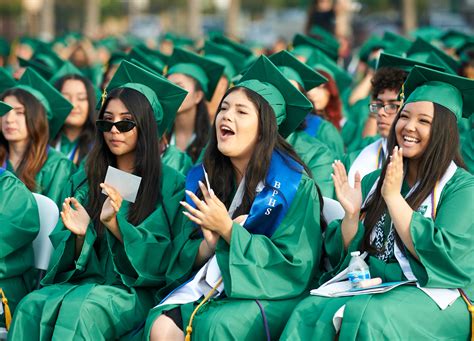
(442, 297)
(369, 159)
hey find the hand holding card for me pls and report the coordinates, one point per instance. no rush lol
(124, 183)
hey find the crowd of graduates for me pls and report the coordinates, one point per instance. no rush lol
(237, 152)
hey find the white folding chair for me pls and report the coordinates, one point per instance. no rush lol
(48, 215)
(332, 210)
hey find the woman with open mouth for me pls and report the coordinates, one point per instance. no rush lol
(414, 218)
(257, 236)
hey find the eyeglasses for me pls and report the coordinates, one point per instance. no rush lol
(389, 108)
(122, 126)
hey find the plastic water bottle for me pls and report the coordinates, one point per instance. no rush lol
(358, 269)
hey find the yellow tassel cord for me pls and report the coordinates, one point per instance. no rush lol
(189, 328)
(6, 310)
(470, 307)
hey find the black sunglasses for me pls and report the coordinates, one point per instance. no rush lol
(122, 126)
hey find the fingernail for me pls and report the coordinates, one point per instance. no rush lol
(200, 183)
(188, 192)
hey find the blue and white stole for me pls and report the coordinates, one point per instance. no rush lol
(274, 197)
(269, 207)
(2, 170)
(313, 122)
(71, 154)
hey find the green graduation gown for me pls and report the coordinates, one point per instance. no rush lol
(67, 147)
(110, 287)
(177, 159)
(19, 225)
(467, 145)
(354, 126)
(444, 247)
(53, 176)
(318, 157)
(328, 134)
(275, 270)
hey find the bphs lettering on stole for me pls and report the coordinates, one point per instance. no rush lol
(272, 201)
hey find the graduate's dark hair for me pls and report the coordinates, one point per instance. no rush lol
(387, 78)
(88, 130)
(442, 148)
(202, 125)
(36, 151)
(147, 160)
(219, 166)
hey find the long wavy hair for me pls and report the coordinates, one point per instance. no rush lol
(36, 151)
(147, 160)
(86, 138)
(202, 126)
(442, 148)
(220, 169)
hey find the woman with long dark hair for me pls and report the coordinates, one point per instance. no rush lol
(76, 135)
(414, 218)
(199, 76)
(110, 255)
(20, 224)
(38, 111)
(259, 213)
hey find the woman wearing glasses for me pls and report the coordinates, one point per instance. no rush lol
(110, 255)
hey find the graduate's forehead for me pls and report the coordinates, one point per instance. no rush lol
(14, 102)
(115, 107)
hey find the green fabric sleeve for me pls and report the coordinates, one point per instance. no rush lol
(256, 266)
(445, 245)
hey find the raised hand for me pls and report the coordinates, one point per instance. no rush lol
(111, 205)
(210, 213)
(349, 197)
(75, 219)
(392, 184)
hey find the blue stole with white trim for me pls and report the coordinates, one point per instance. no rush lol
(313, 122)
(272, 203)
(2, 170)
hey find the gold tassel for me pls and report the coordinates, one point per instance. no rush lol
(189, 328)
(6, 309)
(104, 96)
(470, 307)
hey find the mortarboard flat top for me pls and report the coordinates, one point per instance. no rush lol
(453, 92)
(405, 64)
(164, 96)
(295, 70)
(205, 71)
(289, 104)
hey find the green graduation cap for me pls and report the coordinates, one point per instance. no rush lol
(405, 64)
(152, 53)
(152, 63)
(288, 103)
(232, 60)
(396, 44)
(4, 108)
(452, 92)
(327, 37)
(304, 46)
(44, 61)
(240, 48)
(371, 44)
(56, 106)
(178, 40)
(67, 69)
(453, 39)
(428, 33)
(4, 47)
(6, 80)
(163, 96)
(117, 57)
(202, 69)
(319, 61)
(295, 70)
(421, 48)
